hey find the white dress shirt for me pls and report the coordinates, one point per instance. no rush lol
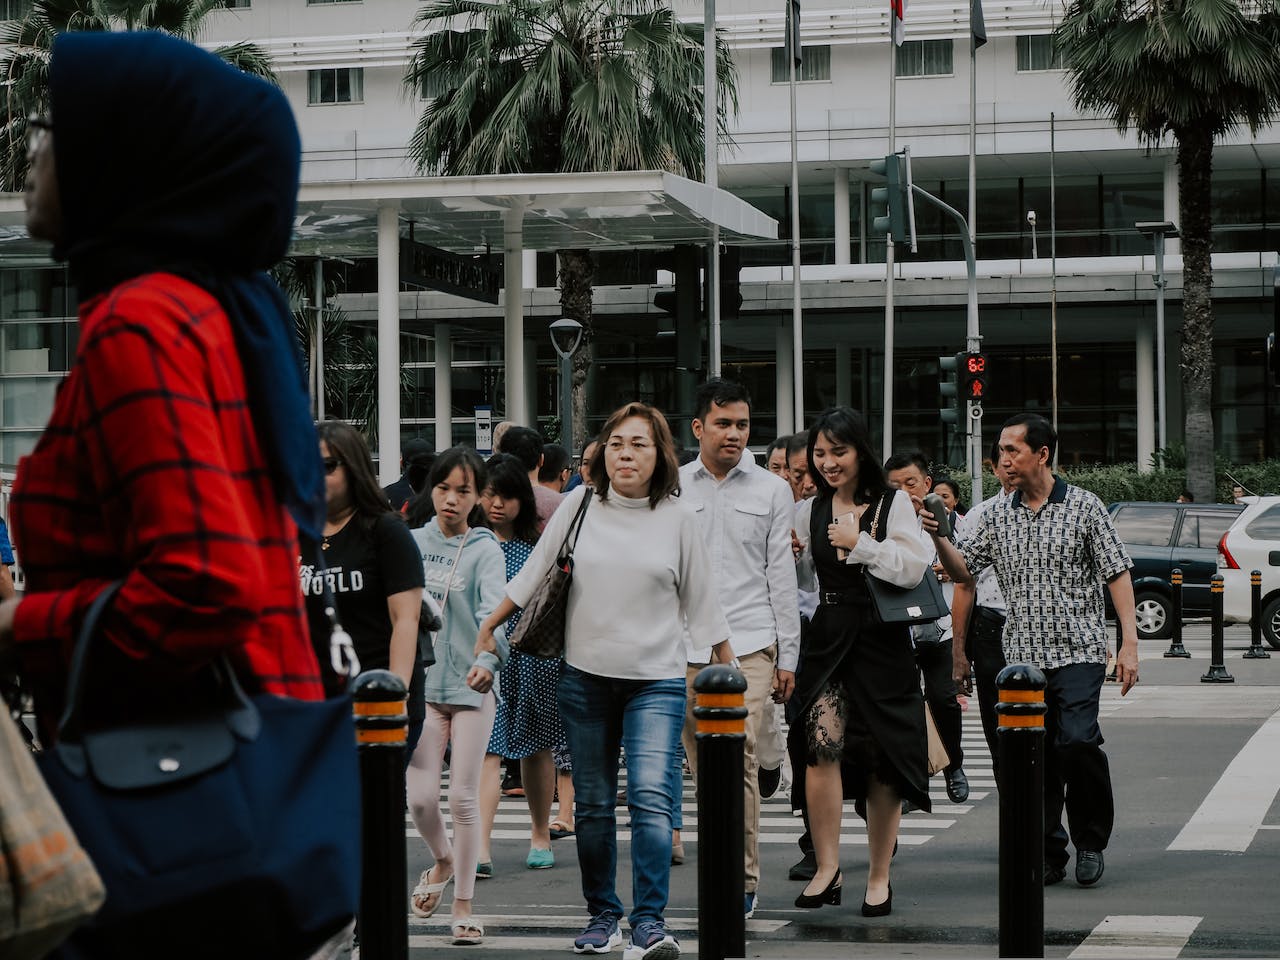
(745, 521)
(986, 588)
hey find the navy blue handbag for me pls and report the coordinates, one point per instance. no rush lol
(233, 831)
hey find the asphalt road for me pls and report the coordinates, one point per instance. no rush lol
(1170, 743)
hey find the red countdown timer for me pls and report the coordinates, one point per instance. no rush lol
(975, 377)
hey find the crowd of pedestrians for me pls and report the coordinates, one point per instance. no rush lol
(720, 560)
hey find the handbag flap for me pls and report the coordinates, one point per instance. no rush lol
(150, 755)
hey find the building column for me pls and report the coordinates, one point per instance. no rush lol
(530, 267)
(1172, 246)
(784, 377)
(444, 386)
(841, 182)
(1145, 384)
(388, 343)
(513, 315)
(531, 381)
(844, 374)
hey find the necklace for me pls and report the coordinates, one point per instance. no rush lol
(342, 525)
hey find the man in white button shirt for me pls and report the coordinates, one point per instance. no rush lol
(745, 514)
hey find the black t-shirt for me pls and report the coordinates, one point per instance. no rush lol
(365, 565)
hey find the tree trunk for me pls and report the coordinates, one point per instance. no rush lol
(1195, 169)
(577, 276)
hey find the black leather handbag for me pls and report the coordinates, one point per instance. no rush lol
(890, 603)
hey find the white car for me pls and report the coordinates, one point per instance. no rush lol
(1253, 543)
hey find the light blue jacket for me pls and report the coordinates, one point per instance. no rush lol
(479, 585)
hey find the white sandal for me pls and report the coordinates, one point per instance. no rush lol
(426, 889)
(468, 932)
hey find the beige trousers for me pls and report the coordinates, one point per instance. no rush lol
(757, 668)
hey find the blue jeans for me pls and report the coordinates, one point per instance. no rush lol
(645, 718)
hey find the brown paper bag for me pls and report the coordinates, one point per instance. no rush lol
(938, 758)
(48, 887)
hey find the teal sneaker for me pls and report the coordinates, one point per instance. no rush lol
(540, 859)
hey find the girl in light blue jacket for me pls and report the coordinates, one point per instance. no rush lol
(466, 574)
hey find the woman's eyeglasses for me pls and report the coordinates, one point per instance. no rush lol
(37, 129)
(331, 464)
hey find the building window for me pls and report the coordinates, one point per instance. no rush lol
(815, 65)
(237, 4)
(925, 58)
(14, 9)
(314, 3)
(1038, 52)
(339, 85)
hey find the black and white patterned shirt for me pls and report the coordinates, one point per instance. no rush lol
(1052, 565)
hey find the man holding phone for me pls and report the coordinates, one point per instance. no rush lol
(910, 472)
(745, 515)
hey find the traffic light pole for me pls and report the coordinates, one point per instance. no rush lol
(973, 338)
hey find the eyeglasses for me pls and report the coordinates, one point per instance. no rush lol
(331, 464)
(37, 129)
(636, 446)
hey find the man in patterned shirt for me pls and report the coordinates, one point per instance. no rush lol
(1053, 547)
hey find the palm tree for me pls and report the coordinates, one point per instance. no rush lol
(550, 86)
(1196, 70)
(27, 44)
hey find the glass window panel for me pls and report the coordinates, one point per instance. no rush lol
(38, 347)
(1038, 52)
(1212, 526)
(15, 445)
(1266, 526)
(815, 64)
(27, 402)
(1148, 526)
(925, 58)
(1189, 535)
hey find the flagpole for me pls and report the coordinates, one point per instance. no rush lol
(888, 250)
(794, 52)
(710, 92)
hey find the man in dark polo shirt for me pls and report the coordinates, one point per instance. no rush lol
(1053, 547)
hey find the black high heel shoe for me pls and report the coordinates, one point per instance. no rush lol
(830, 895)
(879, 909)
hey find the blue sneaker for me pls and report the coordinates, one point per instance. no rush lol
(749, 905)
(601, 936)
(650, 941)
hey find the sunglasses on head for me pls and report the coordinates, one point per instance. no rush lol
(331, 464)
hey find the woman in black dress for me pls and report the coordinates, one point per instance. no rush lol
(858, 688)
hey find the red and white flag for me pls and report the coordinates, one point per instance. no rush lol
(897, 7)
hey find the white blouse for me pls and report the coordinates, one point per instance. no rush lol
(901, 558)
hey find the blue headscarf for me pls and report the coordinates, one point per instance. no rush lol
(170, 159)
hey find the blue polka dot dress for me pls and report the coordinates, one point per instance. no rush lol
(528, 718)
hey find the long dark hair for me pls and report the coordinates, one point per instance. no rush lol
(444, 464)
(510, 480)
(846, 425)
(665, 481)
(347, 445)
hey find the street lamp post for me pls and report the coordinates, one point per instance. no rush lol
(566, 335)
(1158, 231)
(1031, 219)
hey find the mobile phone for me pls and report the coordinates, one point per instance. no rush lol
(841, 553)
(933, 503)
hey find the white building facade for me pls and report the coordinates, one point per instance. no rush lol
(342, 66)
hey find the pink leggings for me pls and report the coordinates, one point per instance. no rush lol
(468, 728)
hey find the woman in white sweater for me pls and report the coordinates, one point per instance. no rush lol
(640, 573)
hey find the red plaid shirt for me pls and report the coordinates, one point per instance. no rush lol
(150, 470)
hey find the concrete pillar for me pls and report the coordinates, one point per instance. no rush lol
(388, 343)
(531, 381)
(785, 384)
(841, 183)
(844, 374)
(513, 315)
(530, 267)
(444, 386)
(1145, 384)
(1172, 246)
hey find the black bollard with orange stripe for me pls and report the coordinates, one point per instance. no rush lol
(1176, 649)
(1021, 710)
(382, 729)
(1255, 651)
(1217, 672)
(721, 734)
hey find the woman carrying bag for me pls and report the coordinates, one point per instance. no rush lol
(178, 465)
(640, 573)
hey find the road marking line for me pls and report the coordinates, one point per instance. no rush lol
(1233, 811)
(691, 836)
(1137, 937)
(575, 920)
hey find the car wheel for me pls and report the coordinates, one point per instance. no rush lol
(1271, 623)
(1152, 614)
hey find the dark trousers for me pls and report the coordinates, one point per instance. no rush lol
(987, 656)
(1076, 774)
(940, 691)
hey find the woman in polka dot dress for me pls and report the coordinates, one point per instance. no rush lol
(527, 725)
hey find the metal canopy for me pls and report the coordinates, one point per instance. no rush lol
(561, 211)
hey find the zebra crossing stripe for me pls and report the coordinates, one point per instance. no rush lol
(1123, 937)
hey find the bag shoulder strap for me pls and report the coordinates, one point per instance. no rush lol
(570, 542)
(452, 570)
(876, 533)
